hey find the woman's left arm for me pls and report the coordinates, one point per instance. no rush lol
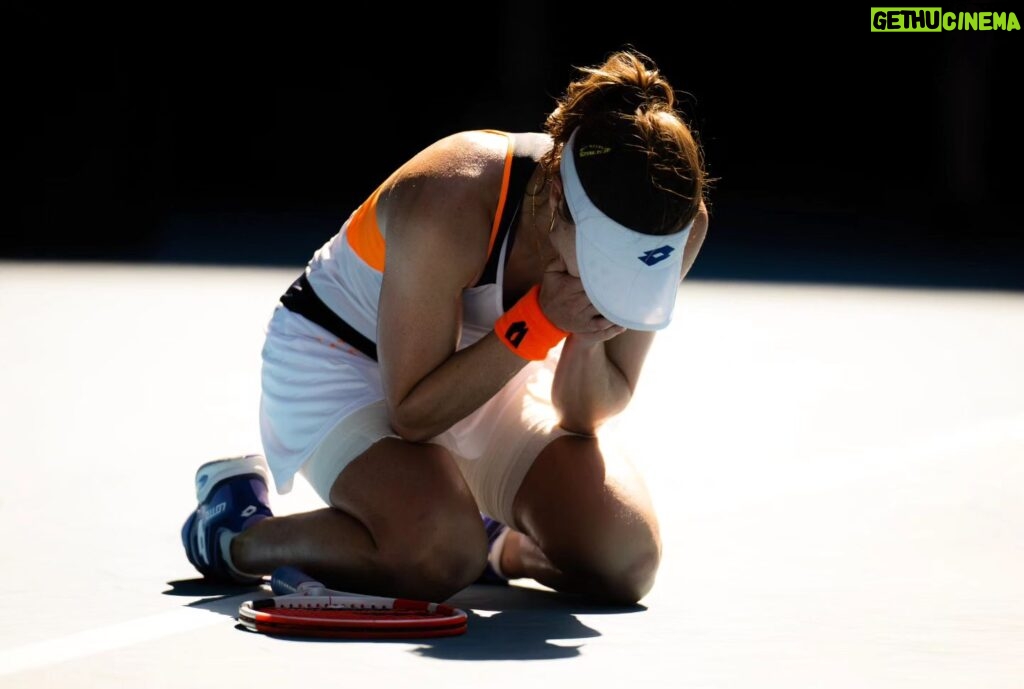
(595, 381)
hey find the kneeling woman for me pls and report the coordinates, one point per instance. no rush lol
(453, 350)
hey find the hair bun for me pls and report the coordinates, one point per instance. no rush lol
(627, 82)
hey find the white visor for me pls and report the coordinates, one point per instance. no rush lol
(630, 277)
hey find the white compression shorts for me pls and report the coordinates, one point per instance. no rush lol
(322, 406)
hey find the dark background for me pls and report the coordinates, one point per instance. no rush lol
(247, 136)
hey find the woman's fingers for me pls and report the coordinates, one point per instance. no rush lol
(565, 303)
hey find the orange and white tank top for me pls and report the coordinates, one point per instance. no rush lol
(345, 274)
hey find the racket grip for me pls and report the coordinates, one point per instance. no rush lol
(285, 580)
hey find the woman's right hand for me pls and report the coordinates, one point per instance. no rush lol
(565, 303)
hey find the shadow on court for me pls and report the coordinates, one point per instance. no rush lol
(523, 625)
(219, 598)
(526, 623)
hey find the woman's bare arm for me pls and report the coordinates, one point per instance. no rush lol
(438, 226)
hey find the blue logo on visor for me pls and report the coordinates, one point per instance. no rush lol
(656, 255)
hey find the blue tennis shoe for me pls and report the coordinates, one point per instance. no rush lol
(232, 496)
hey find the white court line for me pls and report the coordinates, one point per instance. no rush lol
(107, 638)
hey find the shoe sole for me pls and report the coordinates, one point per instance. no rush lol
(213, 473)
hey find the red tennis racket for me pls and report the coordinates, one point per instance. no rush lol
(305, 607)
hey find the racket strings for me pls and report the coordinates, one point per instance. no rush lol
(328, 605)
(347, 613)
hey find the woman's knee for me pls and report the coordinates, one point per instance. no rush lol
(423, 518)
(592, 517)
(442, 546)
(618, 562)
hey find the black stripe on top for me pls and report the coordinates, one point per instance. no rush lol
(301, 299)
(526, 151)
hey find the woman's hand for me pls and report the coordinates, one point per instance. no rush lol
(565, 303)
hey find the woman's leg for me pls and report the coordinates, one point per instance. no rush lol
(585, 524)
(402, 522)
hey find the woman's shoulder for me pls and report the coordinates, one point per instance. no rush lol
(443, 202)
(467, 160)
(461, 172)
(444, 198)
(466, 156)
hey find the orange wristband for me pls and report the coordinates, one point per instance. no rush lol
(526, 330)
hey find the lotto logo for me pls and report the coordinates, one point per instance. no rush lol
(656, 255)
(516, 332)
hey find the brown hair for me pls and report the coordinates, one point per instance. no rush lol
(644, 167)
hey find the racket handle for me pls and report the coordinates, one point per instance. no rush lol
(285, 580)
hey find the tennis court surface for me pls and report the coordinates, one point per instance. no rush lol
(839, 472)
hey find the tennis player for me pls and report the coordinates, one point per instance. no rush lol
(441, 369)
